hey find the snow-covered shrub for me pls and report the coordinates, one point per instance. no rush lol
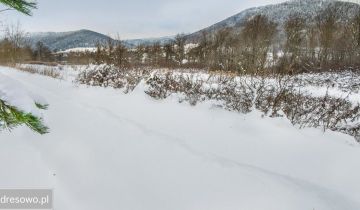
(345, 81)
(326, 112)
(110, 76)
(274, 96)
(162, 85)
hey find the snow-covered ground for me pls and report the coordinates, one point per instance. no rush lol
(79, 49)
(110, 150)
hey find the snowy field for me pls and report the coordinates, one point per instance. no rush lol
(110, 150)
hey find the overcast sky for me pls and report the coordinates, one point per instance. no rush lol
(130, 18)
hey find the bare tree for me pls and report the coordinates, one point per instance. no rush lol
(294, 28)
(42, 52)
(169, 52)
(201, 53)
(327, 27)
(109, 48)
(120, 54)
(257, 38)
(155, 54)
(180, 41)
(139, 54)
(17, 44)
(99, 53)
(357, 26)
(224, 47)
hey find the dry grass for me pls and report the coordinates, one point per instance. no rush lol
(42, 63)
(45, 71)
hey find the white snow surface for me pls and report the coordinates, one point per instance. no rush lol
(79, 49)
(108, 150)
(14, 93)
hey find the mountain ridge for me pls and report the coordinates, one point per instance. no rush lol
(275, 12)
(278, 13)
(84, 38)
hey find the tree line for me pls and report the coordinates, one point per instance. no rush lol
(15, 47)
(297, 45)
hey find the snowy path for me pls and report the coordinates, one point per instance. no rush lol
(107, 150)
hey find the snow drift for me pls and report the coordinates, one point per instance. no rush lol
(109, 150)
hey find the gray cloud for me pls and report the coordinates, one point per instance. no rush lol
(130, 18)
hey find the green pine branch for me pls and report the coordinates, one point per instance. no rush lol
(23, 6)
(11, 117)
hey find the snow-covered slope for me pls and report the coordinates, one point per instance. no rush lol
(68, 40)
(149, 41)
(62, 41)
(280, 12)
(13, 93)
(108, 150)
